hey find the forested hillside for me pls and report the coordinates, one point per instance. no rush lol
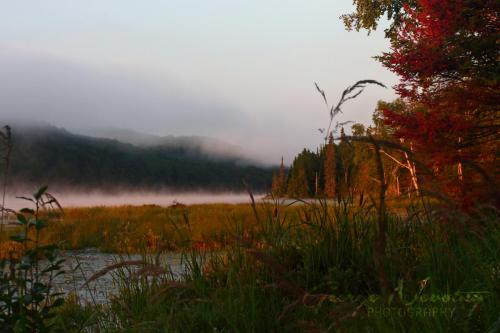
(199, 145)
(44, 154)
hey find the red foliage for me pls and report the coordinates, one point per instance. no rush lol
(441, 41)
(431, 132)
(445, 53)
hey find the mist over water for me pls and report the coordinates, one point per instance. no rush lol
(137, 198)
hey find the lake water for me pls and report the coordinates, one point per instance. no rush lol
(81, 265)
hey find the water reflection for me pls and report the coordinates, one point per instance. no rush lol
(79, 266)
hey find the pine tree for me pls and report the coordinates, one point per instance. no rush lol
(298, 186)
(303, 174)
(278, 187)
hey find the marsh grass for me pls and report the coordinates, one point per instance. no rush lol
(135, 229)
(311, 268)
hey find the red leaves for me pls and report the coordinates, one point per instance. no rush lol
(424, 44)
(442, 41)
(435, 133)
(445, 53)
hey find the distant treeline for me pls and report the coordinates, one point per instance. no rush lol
(335, 169)
(44, 154)
(346, 166)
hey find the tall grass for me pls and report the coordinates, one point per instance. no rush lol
(133, 229)
(316, 272)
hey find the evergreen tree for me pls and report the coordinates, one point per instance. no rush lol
(278, 188)
(298, 186)
(303, 173)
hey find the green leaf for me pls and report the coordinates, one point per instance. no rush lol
(38, 194)
(58, 302)
(22, 219)
(39, 287)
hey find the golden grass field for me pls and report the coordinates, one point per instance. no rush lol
(135, 229)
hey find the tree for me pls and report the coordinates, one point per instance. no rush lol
(330, 166)
(395, 159)
(368, 12)
(363, 170)
(446, 55)
(346, 164)
(278, 187)
(298, 186)
(303, 175)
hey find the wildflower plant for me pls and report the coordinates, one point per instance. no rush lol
(28, 298)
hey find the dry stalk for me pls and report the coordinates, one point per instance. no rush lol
(109, 268)
(150, 270)
(6, 140)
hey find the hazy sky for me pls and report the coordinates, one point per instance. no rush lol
(241, 71)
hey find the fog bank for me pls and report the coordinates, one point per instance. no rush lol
(137, 198)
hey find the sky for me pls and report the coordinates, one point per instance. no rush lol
(240, 71)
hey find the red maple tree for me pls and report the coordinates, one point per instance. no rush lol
(445, 53)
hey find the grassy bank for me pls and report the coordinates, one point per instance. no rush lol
(313, 269)
(272, 268)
